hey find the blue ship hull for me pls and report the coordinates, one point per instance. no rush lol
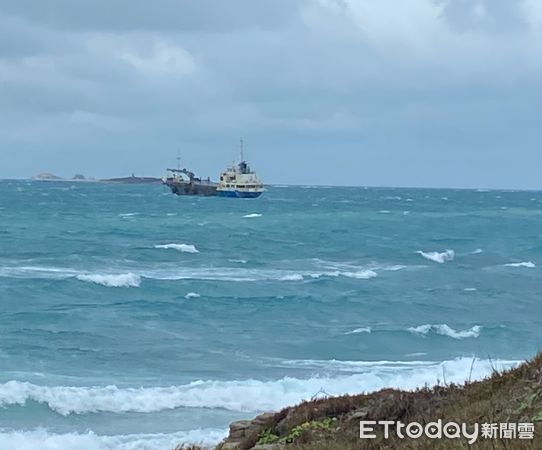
(238, 194)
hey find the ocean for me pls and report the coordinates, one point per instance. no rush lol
(135, 319)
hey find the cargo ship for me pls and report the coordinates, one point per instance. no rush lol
(238, 181)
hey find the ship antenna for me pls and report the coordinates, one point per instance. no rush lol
(242, 151)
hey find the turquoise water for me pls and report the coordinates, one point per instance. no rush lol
(134, 319)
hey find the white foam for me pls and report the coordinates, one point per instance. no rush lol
(128, 215)
(192, 295)
(421, 329)
(183, 273)
(470, 289)
(249, 275)
(394, 268)
(46, 440)
(252, 216)
(238, 261)
(477, 251)
(185, 248)
(391, 197)
(58, 273)
(165, 272)
(359, 330)
(384, 211)
(441, 258)
(250, 395)
(445, 330)
(360, 274)
(117, 280)
(292, 277)
(528, 264)
(364, 274)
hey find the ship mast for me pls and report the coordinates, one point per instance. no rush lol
(242, 150)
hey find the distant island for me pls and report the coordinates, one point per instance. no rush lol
(46, 176)
(132, 180)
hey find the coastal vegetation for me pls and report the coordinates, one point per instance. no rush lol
(509, 397)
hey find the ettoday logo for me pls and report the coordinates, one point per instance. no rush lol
(449, 430)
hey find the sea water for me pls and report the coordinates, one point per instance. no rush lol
(135, 319)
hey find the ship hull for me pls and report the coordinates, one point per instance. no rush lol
(205, 190)
(238, 194)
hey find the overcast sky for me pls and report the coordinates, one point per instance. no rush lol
(355, 92)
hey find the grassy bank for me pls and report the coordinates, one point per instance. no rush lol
(514, 396)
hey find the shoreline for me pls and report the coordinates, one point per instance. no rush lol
(511, 396)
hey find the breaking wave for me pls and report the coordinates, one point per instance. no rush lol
(192, 295)
(359, 274)
(293, 277)
(528, 264)
(46, 440)
(133, 274)
(437, 257)
(252, 216)
(54, 273)
(239, 274)
(185, 248)
(445, 330)
(250, 395)
(359, 330)
(119, 280)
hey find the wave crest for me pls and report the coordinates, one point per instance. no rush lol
(527, 264)
(250, 395)
(359, 330)
(45, 440)
(185, 248)
(441, 258)
(446, 330)
(118, 280)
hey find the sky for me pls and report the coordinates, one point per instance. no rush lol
(428, 93)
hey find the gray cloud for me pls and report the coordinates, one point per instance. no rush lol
(417, 92)
(163, 15)
(499, 16)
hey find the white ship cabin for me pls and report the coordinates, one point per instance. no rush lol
(240, 177)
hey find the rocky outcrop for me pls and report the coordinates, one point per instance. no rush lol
(244, 433)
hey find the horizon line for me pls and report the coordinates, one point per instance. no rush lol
(315, 185)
